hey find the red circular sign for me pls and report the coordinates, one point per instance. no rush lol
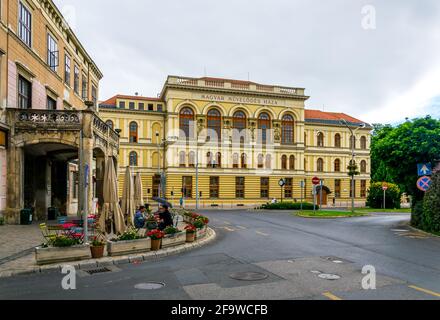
(316, 181)
(384, 188)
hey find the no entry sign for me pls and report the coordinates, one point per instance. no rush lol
(316, 181)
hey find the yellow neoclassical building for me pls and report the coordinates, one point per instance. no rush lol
(228, 143)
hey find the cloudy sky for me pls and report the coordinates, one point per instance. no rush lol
(375, 59)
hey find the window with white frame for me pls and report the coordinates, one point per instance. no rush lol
(67, 63)
(25, 24)
(52, 52)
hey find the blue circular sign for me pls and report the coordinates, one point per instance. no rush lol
(424, 183)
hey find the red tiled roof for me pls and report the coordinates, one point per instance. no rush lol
(112, 100)
(332, 116)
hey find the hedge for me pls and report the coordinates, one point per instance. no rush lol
(431, 207)
(375, 196)
(288, 206)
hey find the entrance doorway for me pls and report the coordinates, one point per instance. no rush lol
(325, 193)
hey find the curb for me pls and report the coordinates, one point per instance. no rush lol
(421, 231)
(330, 218)
(109, 261)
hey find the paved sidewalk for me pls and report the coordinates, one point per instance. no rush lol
(15, 240)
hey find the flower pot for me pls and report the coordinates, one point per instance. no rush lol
(97, 252)
(122, 248)
(190, 237)
(155, 244)
(55, 255)
(174, 240)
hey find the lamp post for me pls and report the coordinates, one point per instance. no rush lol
(353, 156)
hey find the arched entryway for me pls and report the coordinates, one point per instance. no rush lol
(325, 194)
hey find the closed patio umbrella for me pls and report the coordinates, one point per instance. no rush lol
(138, 194)
(111, 210)
(128, 206)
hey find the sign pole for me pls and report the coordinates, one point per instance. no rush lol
(384, 199)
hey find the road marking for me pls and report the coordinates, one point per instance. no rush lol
(432, 293)
(227, 223)
(262, 233)
(229, 229)
(331, 296)
(241, 227)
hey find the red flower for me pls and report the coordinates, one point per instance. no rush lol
(156, 234)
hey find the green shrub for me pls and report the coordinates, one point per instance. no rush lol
(431, 207)
(375, 196)
(289, 206)
(65, 241)
(417, 215)
(171, 230)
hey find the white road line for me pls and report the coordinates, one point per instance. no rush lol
(262, 233)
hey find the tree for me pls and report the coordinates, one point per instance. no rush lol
(375, 196)
(431, 207)
(396, 151)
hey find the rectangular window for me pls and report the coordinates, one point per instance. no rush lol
(52, 52)
(214, 187)
(67, 69)
(25, 25)
(76, 80)
(363, 188)
(337, 188)
(131, 105)
(288, 188)
(75, 185)
(84, 88)
(94, 95)
(239, 187)
(187, 187)
(150, 107)
(159, 108)
(156, 185)
(24, 93)
(264, 188)
(141, 106)
(122, 105)
(51, 104)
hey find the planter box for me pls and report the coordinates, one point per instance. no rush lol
(174, 240)
(55, 255)
(122, 248)
(201, 233)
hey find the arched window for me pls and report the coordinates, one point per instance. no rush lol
(218, 160)
(364, 143)
(209, 160)
(239, 125)
(268, 161)
(182, 159)
(110, 124)
(214, 125)
(244, 161)
(288, 125)
(337, 165)
(260, 161)
(363, 166)
(320, 165)
(284, 162)
(133, 132)
(186, 123)
(192, 159)
(133, 159)
(352, 142)
(292, 163)
(320, 139)
(264, 126)
(337, 140)
(235, 161)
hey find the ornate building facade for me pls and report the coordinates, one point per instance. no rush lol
(228, 143)
(49, 88)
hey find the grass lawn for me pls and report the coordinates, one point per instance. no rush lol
(330, 214)
(368, 210)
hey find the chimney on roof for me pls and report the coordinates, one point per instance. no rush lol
(136, 94)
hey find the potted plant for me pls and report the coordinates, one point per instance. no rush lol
(62, 248)
(156, 237)
(201, 226)
(173, 237)
(97, 247)
(191, 231)
(151, 223)
(127, 243)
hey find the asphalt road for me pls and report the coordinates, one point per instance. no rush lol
(291, 252)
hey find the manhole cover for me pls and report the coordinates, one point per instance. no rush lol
(150, 286)
(249, 276)
(327, 276)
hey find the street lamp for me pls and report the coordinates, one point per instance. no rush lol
(353, 156)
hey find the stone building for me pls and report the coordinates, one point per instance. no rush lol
(228, 143)
(49, 88)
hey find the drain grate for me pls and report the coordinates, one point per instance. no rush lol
(249, 276)
(150, 286)
(97, 271)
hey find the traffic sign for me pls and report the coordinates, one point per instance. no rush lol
(384, 188)
(316, 181)
(424, 169)
(424, 183)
